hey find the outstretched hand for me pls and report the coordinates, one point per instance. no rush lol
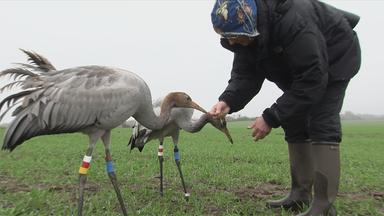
(260, 129)
(220, 110)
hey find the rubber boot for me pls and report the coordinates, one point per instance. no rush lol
(327, 175)
(301, 165)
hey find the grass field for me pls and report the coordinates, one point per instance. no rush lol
(40, 177)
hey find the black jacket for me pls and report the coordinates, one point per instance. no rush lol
(303, 45)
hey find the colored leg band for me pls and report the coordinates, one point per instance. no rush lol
(176, 154)
(160, 152)
(85, 165)
(109, 167)
(87, 158)
(83, 170)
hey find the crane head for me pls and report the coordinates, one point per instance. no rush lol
(221, 125)
(139, 137)
(180, 99)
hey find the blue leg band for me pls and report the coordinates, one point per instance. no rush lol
(109, 167)
(176, 155)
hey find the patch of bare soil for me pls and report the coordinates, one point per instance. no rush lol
(212, 209)
(89, 186)
(267, 190)
(259, 192)
(273, 189)
(11, 185)
(263, 191)
(377, 195)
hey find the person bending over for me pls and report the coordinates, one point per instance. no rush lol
(310, 51)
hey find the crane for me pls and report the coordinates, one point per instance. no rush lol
(88, 99)
(180, 118)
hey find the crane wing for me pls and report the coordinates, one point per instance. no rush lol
(70, 100)
(77, 98)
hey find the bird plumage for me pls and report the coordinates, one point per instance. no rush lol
(89, 99)
(70, 100)
(180, 118)
(39, 61)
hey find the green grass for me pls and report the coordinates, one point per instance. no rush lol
(40, 177)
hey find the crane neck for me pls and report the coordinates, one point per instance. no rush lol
(148, 118)
(197, 125)
(165, 108)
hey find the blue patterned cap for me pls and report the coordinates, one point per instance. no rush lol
(231, 18)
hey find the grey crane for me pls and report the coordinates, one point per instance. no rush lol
(180, 118)
(88, 99)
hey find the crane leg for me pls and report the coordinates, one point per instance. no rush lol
(176, 155)
(111, 172)
(112, 177)
(161, 160)
(82, 180)
(84, 169)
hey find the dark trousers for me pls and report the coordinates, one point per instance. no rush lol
(322, 124)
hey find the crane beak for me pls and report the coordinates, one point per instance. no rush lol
(226, 132)
(194, 105)
(221, 125)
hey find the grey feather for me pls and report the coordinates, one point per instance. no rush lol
(10, 108)
(39, 60)
(11, 99)
(81, 99)
(17, 73)
(13, 132)
(47, 113)
(35, 109)
(53, 123)
(11, 85)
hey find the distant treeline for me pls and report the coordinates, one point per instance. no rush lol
(348, 115)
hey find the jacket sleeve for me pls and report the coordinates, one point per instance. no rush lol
(244, 84)
(306, 56)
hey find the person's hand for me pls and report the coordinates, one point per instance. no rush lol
(260, 129)
(220, 110)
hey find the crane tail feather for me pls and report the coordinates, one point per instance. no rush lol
(40, 61)
(21, 129)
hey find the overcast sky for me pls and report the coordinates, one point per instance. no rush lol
(170, 44)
